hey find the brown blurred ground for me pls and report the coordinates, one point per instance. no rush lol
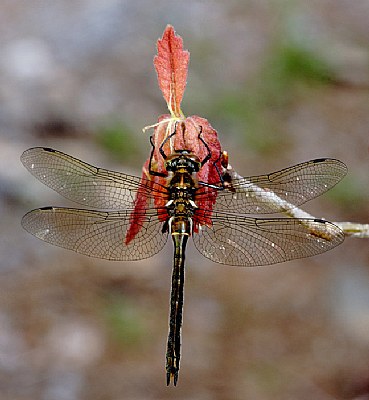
(282, 82)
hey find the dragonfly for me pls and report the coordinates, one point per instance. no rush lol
(118, 226)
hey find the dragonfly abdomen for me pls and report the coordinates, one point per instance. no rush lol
(176, 298)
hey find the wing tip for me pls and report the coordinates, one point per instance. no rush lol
(335, 161)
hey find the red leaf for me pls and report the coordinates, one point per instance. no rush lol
(171, 66)
(176, 132)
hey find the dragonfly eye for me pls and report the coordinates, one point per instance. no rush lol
(170, 165)
(195, 167)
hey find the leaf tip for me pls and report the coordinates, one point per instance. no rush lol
(171, 64)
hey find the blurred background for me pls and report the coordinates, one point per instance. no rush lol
(282, 82)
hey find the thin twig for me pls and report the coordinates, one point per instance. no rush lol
(350, 229)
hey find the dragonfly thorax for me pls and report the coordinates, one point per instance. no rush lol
(182, 186)
(183, 161)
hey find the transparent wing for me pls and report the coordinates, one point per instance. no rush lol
(249, 242)
(282, 190)
(84, 183)
(97, 234)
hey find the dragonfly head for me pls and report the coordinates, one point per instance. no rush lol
(183, 161)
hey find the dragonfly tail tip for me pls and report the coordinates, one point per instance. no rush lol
(173, 375)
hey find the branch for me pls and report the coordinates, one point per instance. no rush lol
(350, 229)
(354, 229)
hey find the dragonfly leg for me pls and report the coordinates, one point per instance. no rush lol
(208, 156)
(166, 140)
(151, 171)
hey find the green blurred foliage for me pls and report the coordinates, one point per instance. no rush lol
(349, 195)
(125, 321)
(291, 64)
(257, 109)
(268, 377)
(119, 140)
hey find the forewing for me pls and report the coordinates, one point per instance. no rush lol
(84, 183)
(282, 190)
(97, 234)
(249, 242)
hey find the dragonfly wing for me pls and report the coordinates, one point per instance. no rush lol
(249, 242)
(84, 183)
(97, 234)
(282, 190)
